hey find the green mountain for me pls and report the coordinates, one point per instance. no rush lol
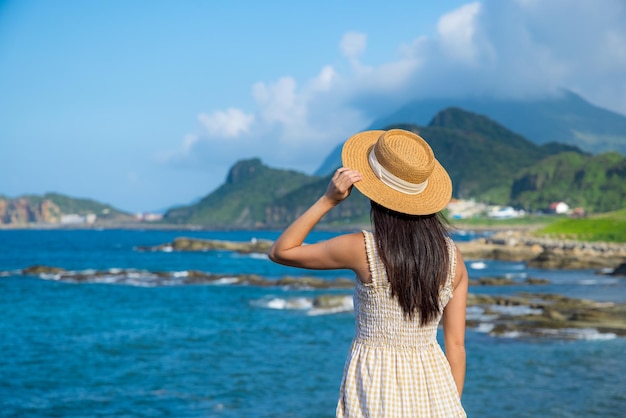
(564, 118)
(243, 200)
(481, 156)
(486, 161)
(287, 208)
(596, 183)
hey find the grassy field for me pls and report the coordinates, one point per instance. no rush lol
(609, 227)
(531, 222)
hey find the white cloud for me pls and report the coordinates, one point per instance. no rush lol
(228, 124)
(278, 102)
(508, 49)
(352, 46)
(456, 31)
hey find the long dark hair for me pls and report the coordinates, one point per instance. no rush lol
(414, 251)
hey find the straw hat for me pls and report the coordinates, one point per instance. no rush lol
(399, 171)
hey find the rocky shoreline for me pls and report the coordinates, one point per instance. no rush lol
(196, 244)
(512, 245)
(525, 315)
(543, 252)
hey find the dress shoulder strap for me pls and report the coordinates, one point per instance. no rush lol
(376, 266)
(452, 261)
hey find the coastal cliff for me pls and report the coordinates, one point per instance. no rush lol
(56, 209)
(22, 211)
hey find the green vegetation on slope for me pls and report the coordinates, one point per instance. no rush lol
(609, 227)
(72, 205)
(481, 156)
(565, 118)
(596, 183)
(485, 160)
(243, 200)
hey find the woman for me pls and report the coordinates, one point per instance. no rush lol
(409, 276)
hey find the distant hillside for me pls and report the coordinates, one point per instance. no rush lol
(243, 200)
(596, 183)
(287, 208)
(481, 156)
(55, 208)
(485, 160)
(566, 118)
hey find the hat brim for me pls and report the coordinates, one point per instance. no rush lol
(434, 198)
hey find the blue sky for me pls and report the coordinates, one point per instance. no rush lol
(147, 104)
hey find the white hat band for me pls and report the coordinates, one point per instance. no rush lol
(393, 181)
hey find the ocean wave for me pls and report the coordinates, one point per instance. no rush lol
(593, 282)
(258, 256)
(343, 303)
(515, 310)
(226, 281)
(296, 303)
(313, 306)
(476, 313)
(511, 334)
(588, 334)
(516, 276)
(478, 265)
(485, 327)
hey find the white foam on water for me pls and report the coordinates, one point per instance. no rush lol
(258, 256)
(516, 310)
(50, 276)
(593, 282)
(276, 303)
(141, 283)
(304, 304)
(225, 281)
(140, 275)
(8, 273)
(511, 334)
(328, 311)
(476, 313)
(514, 276)
(485, 327)
(167, 249)
(588, 282)
(589, 334)
(347, 305)
(180, 274)
(298, 303)
(478, 265)
(109, 279)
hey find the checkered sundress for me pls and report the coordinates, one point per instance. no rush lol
(395, 367)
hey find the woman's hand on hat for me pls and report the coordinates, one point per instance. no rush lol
(341, 184)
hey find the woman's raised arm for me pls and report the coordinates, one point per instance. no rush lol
(335, 253)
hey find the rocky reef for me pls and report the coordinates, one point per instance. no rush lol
(539, 252)
(545, 315)
(524, 315)
(148, 278)
(196, 244)
(543, 252)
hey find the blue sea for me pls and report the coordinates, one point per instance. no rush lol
(140, 348)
